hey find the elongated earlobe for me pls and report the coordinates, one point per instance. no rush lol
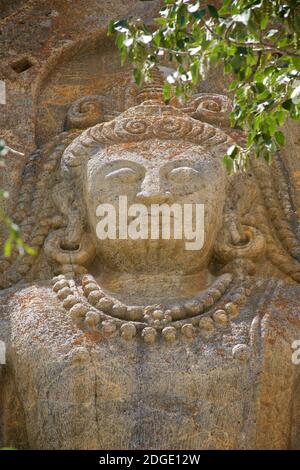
(70, 260)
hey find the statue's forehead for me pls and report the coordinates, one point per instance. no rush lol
(159, 152)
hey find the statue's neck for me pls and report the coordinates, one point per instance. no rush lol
(144, 288)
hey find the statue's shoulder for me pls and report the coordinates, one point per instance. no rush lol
(31, 310)
(5, 295)
(278, 313)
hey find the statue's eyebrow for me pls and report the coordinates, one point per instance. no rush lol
(180, 160)
(110, 165)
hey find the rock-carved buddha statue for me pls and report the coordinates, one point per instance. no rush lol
(141, 343)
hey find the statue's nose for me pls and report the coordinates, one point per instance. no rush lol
(152, 190)
(154, 197)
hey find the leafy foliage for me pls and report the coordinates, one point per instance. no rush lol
(257, 42)
(14, 238)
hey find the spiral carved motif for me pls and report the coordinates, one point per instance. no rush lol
(168, 127)
(131, 128)
(213, 109)
(85, 112)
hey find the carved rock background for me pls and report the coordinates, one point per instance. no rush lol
(51, 55)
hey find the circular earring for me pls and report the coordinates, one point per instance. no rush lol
(70, 258)
(252, 246)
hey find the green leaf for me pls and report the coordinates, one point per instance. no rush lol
(180, 44)
(279, 136)
(138, 76)
(264, 22)
(232, 151)
(199, 14)
(123, 55)
(29, 250)
(7, 248)
(280, 116)
(213, 11)
(195, 71)
(120, 40)
(234, 84)
(224, 8)
(167, 91)
(161, 21)
(229, 164)
(288, 104)
(111, 28)
(236, 63)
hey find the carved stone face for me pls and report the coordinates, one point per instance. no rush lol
(155, 172)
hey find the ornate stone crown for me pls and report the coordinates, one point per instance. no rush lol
(155, 120)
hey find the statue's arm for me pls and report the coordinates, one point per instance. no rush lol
(4, 334)
(4, 338)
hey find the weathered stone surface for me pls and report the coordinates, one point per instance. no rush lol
(135, 343)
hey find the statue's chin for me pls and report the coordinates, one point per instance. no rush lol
(155, 256)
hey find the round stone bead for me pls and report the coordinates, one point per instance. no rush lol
(63, 293)
(206, 324)
(241, 352)
(87, 278)
(232, 310)
(169, 334)
(192, 306)
(92, 318)
(128, 331)
(94, 296)
(149, 335)
(58, 278)
(90, 287)
(208, 301)
(177, 312)
(70, 301)
(158, 314)
(105, 304)
(220, 318)
(188, 330)
(135, 313)
(78, 311)
(119, 310)
(60, 285)
(168, 315)
(108, 327)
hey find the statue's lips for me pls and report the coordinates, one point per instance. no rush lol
(149, 217)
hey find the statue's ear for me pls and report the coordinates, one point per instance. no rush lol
(70, 247)
(242, 192)
(238, 239)
(64, 199)
(63, 196)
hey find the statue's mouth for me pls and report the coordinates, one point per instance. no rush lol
(69, 247)
(149, 216)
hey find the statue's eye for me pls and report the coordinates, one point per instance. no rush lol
(123, 175)
(184, 174)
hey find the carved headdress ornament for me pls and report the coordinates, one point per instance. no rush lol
(152, 120)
